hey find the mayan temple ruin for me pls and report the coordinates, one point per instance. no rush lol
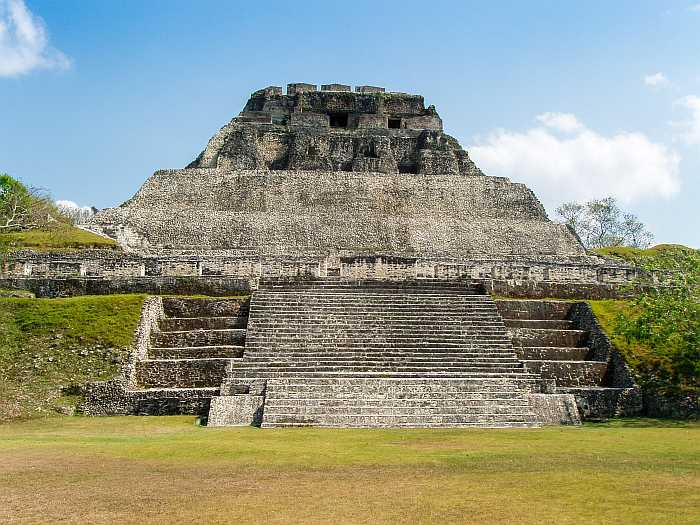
(384, 276)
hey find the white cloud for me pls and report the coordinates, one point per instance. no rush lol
(24, 42)
(581, 164)
(565, 122)
(656, 80)
(690, 129)
(71, 205)
(695, 7)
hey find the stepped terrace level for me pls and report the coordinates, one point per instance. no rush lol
(335, 129)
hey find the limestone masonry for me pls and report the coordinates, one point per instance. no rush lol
(336, 173)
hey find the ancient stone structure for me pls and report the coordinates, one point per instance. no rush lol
(371, 244)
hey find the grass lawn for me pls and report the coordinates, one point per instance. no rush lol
(168, 470)
(61, 237)
(50, 346)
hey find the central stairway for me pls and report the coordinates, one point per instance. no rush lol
(381, 354)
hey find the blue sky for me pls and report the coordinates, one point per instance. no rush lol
(575, 99)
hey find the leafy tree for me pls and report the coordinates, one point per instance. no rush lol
(23, 208)
(600, 223)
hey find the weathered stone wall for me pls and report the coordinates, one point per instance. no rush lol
(102, 272)
(320, 213)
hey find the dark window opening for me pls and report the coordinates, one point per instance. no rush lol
(394, 123)
(408, 168)
(339, 120)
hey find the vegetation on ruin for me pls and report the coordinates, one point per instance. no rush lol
(638, 255)
(49, 347)
(56, 237)
(84, 470)
(30, 220)
(658, 331)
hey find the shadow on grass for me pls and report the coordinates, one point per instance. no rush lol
(642, 422)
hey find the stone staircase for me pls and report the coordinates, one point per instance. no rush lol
(380, 354)
(187, 355)
(562, 342)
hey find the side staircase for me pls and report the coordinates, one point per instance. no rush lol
(562, 342)
(334, 353)
(185, 348)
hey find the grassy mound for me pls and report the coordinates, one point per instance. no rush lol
(83, 470)
(636, 255)
(60, 237)
(48, 347)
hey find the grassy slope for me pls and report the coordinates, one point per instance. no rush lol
(50, 344)
(630, 254)
(167, 470)
(61, 237)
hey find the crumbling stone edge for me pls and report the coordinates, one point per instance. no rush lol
(116, 396)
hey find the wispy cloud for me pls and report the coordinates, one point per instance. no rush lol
(690, 128)
(24, 42)
(695, 7)
(656, 80)
(573, 162)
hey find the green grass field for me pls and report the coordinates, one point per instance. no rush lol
(168, 470)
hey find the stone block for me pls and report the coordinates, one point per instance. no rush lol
(335, 87)
(369, 89)
(295, 89)
(554, 409)
(238, 410)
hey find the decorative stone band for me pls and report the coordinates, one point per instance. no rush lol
(583, 269)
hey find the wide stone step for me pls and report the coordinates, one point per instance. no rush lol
(553, 353)
(533, 309)
(267, 373)
(233, 336)
(358, 300)
(355, 365)
(205, 307)
(311, 306)
(398, 409)
(377, 354)
(457, 400)
(341, 339)
(569, 373)
(560, 324)
(371, 294)
(466, 345)
(379, 359)
(400, 388)
(549, 337)
(182, 324)
(373, 317)
(417, 423)
(388, 329)
(196, 352)
(181, 373)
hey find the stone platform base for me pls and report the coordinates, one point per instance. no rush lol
(238, 410)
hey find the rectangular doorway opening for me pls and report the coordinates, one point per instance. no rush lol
(338, 120)
(394, 123)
